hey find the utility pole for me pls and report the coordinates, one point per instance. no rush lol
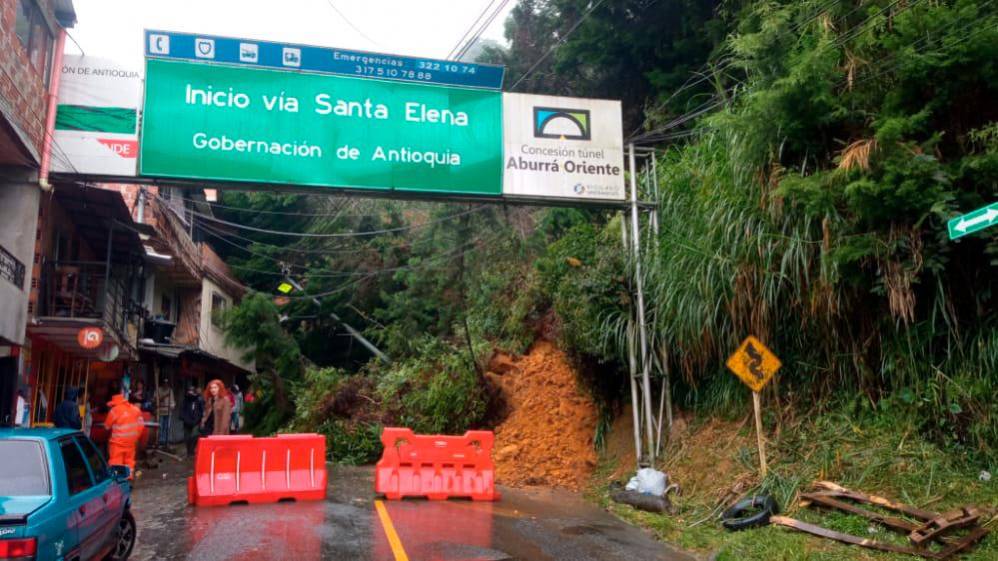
(353, 332)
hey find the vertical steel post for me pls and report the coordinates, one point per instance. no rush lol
(107, 273)
(666, 397)
(632, 359)
(642, 335)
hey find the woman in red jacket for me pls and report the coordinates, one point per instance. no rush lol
(217, 409)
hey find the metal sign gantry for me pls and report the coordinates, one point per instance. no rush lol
(648, 427)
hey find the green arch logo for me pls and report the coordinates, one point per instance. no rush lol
(562, 124)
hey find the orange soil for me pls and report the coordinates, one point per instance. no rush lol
(547, 438)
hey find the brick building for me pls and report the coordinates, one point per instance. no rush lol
(30, 31)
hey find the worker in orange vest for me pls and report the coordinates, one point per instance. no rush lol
(125, 423)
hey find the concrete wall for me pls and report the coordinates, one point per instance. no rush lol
(18, 225)
(212, 338)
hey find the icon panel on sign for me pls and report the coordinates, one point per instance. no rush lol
(291, 57)
(159, 44)
(249, 52)
(204, 48)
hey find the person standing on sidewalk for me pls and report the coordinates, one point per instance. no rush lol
(237, 408)
(67, 413)
(21, 413)
(217, 409)
(165, 404)
(191, 415)
(125, 423)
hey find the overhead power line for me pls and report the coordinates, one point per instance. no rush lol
(457, 46)
(561, 41)
(338, 234)
(351, 24)
(718, 101)
(210, 218)
(282, 212)
(484, 27)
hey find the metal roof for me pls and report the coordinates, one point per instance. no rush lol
(94, 212)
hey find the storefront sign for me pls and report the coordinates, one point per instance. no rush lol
(562, 147)
(96, 127)
(218, 122)
(283, 56)
(90, 337)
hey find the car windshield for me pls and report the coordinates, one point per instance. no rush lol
(22, 471)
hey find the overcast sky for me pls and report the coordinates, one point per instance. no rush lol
(429, 28)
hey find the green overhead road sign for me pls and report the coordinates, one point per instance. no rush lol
(973, 221)
(216, 122)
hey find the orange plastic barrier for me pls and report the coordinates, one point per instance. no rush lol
(243, 469)
(436, 467)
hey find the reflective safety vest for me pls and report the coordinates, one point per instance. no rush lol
(124, 421)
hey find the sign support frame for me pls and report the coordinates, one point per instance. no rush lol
(760, 439)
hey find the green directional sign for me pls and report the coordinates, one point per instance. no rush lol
(217, 122)
(973, 222)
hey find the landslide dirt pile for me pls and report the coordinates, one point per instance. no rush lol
(547, 436)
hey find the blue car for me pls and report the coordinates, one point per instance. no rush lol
(59, 500)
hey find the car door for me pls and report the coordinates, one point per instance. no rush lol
(83, 498)
(110, 492)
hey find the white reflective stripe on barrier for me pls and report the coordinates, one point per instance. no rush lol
(311, 466)
(287, 470)
(263, 472)
(238, 456)
(211, 474)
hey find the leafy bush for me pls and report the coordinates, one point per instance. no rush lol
(436, 391)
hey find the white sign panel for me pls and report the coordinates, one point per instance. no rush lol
(96, 130)
(562, 147)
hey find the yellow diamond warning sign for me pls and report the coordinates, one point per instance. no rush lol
(754, 364)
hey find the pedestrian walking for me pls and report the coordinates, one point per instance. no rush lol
(191, 414)
(125, 423)
(237, 407)
(217, 409)
(139, 397)
(165, 404)
(67, 413)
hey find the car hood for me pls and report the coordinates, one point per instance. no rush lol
(13, 507)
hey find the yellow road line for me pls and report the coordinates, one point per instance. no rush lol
(393, 537)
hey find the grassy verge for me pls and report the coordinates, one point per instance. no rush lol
(710, 458)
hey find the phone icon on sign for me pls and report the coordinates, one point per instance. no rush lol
(159, 44)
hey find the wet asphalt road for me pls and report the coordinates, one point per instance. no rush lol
(525, 525)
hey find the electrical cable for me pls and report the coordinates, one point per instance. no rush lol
(420, 266)
(488, 23)
(840, 41)
(915, 47)
(304, 251)
(725, 62)
(350, 23)
(284, 213)
(339, 234)
(327, 274)
(556, 46)
(474, 23)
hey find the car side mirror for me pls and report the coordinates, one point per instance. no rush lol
(119, 473)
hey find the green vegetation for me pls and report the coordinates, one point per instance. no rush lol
(808, 168)
(874, 452)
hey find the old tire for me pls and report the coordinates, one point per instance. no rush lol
(124, 538)
(750, 512)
